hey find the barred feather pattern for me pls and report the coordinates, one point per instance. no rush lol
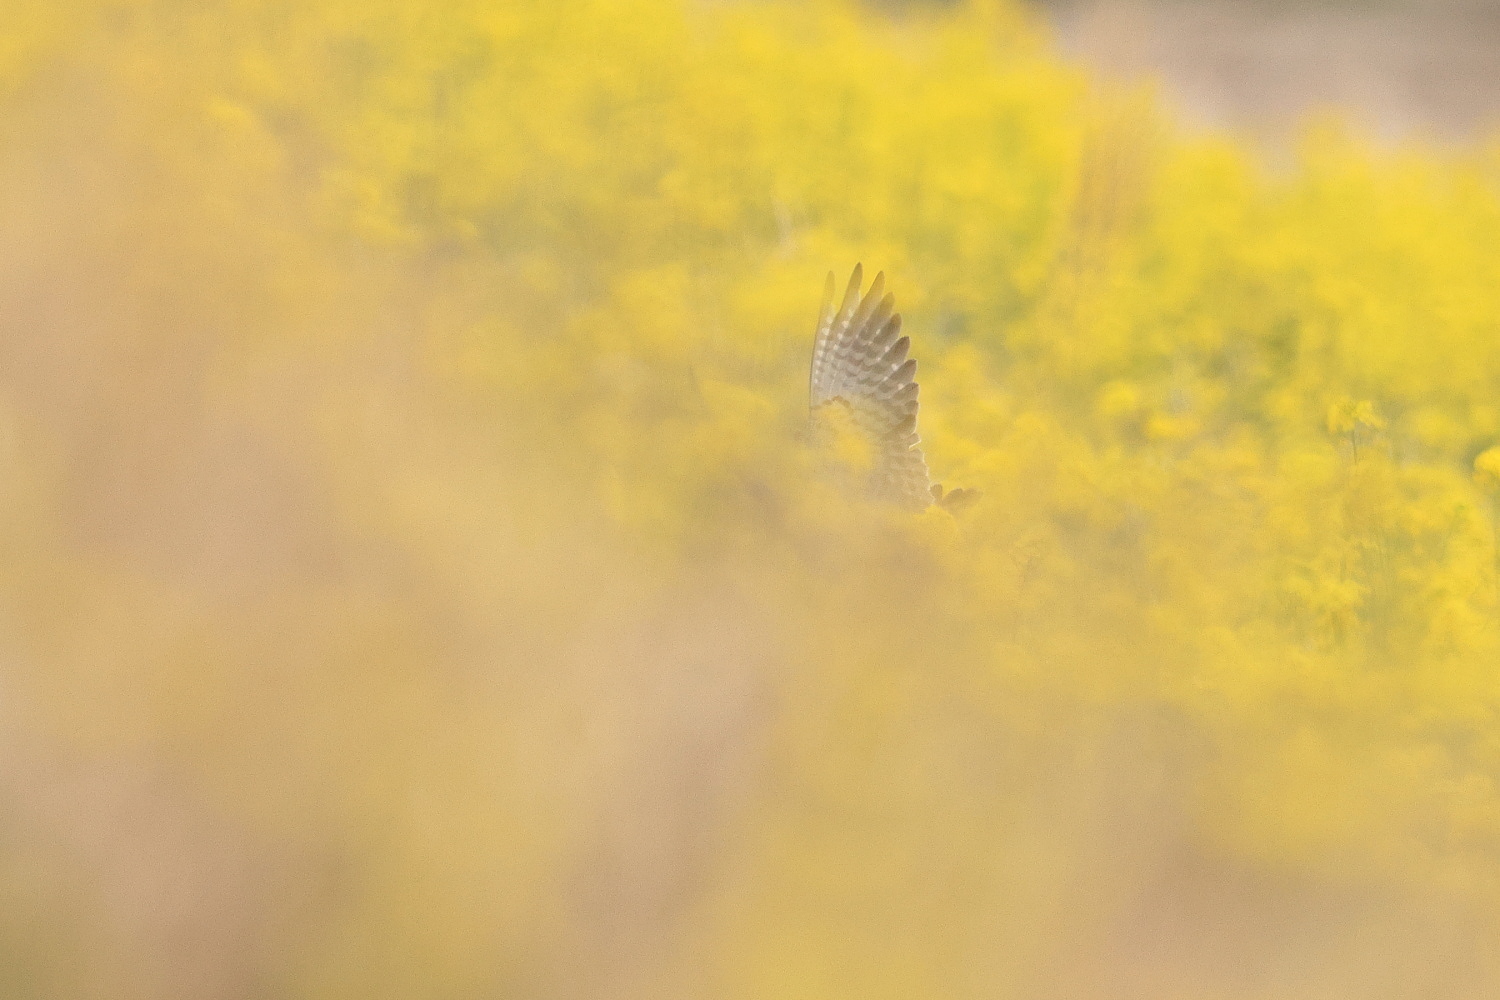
(860, 363)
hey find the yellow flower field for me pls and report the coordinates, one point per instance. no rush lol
(416, 580)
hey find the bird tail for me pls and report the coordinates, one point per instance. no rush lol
(955, 500)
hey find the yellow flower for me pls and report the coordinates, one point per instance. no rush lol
(1348, 416)
(1487, 470)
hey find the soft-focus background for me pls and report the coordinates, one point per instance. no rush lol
(414, 581)
(1397, 68)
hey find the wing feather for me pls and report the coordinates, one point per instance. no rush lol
(860, 362)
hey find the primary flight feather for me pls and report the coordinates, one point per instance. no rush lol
(860, 367)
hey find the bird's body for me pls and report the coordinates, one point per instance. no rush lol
(861, 375)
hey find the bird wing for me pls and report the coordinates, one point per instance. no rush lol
(860, 363)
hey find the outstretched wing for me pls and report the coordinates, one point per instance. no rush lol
(860, 363)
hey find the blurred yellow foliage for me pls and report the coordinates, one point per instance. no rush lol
(416, 581)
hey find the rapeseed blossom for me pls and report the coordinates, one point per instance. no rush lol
(417, 579)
